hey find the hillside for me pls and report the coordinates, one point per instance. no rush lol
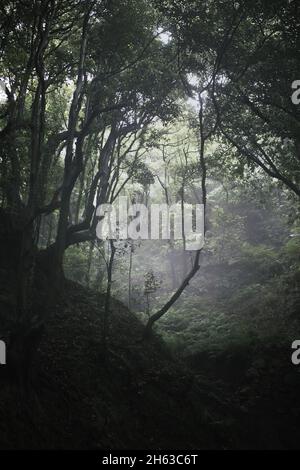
(138, 398)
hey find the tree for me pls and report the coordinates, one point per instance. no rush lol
(151, 284)
(245, 55)
(116, 80)
(205, 132)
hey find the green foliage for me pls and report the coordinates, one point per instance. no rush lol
(292, 246)
(141, 174)
(151, 283)
(75, 263)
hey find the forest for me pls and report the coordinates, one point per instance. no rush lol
(149, 340)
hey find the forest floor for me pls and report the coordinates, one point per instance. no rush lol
(140, 396)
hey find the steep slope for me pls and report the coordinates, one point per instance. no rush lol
(138, 397)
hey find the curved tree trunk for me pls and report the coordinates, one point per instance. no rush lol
(202, 138)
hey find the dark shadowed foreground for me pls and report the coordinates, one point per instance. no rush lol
(140, 396)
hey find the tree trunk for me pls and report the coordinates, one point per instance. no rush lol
(129, 277)
(108, 297)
